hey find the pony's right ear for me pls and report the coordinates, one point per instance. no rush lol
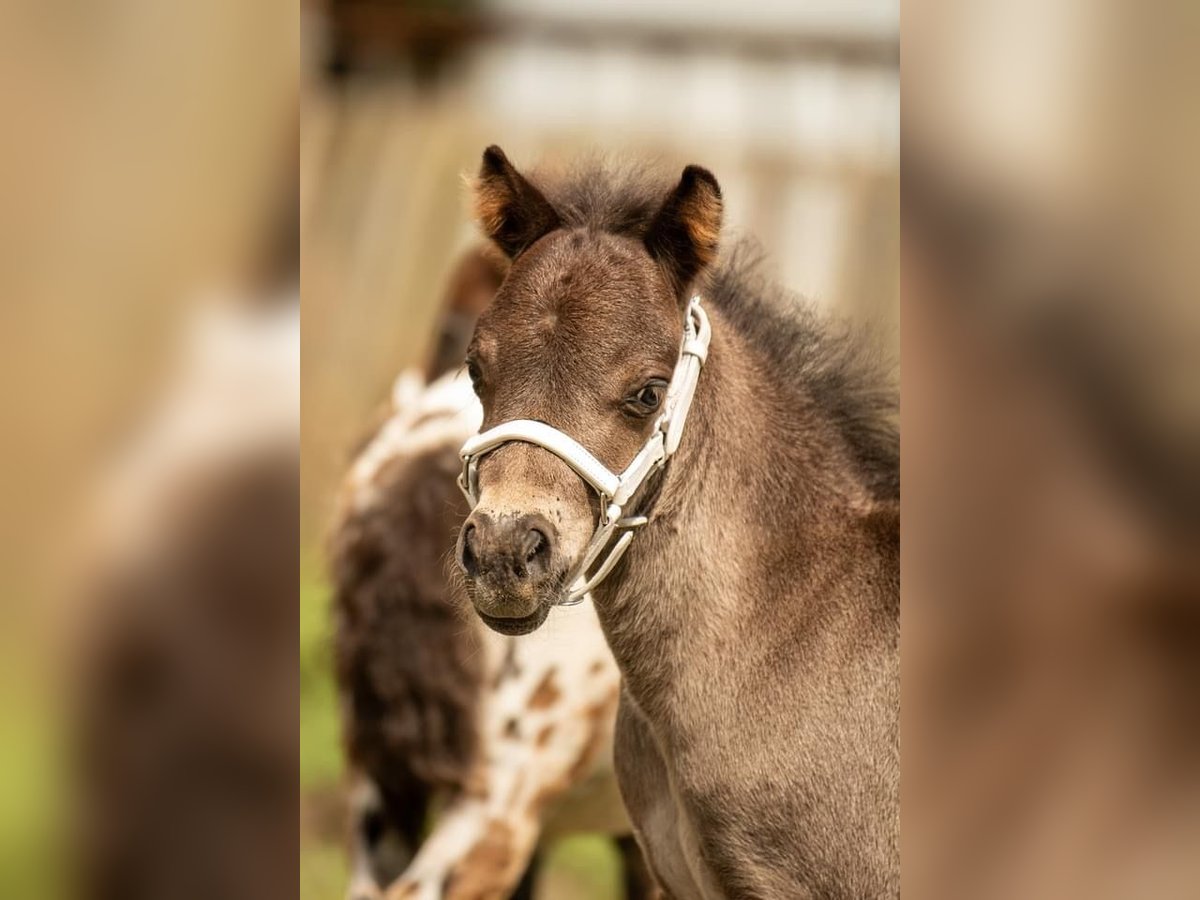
(511, 211)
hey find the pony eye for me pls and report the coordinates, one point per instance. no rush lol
(646, 400)
(650, 396)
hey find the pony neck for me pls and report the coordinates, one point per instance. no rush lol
(685, 593)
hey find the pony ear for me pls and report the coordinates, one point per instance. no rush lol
(511, 211)
(687, 229)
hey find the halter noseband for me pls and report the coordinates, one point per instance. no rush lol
(613, 489)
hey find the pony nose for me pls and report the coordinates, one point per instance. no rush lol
(506, 547)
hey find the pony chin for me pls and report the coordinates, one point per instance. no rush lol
(508, 613)
(514, 627)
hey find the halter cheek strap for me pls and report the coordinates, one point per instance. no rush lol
(613, 489)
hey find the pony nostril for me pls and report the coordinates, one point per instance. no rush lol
(534, 542)
(466, 557)
(516, 548)
(536, 552)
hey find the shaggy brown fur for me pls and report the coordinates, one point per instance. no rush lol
(755, 619)
(407, 667)
(405, 662)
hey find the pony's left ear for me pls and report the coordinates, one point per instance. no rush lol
(511, 211)
(687, 229)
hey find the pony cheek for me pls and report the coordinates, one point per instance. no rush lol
(576, 525)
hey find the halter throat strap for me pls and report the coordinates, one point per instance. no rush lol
(614, 531)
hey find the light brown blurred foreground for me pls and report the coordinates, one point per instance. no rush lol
(147, 166)
(183, 733)
(1051, 586)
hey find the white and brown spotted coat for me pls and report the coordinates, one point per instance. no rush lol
(545, 713)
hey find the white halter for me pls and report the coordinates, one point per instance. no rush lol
(613, 489)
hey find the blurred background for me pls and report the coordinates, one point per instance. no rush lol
(149, 218)
(793, 105)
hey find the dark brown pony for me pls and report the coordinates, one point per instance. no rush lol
(755, 619)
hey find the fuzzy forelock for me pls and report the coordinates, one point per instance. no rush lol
(618, 197)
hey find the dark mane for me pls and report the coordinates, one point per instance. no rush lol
(833, 366)
(836, 367)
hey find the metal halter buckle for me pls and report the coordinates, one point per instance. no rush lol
(614, 490)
